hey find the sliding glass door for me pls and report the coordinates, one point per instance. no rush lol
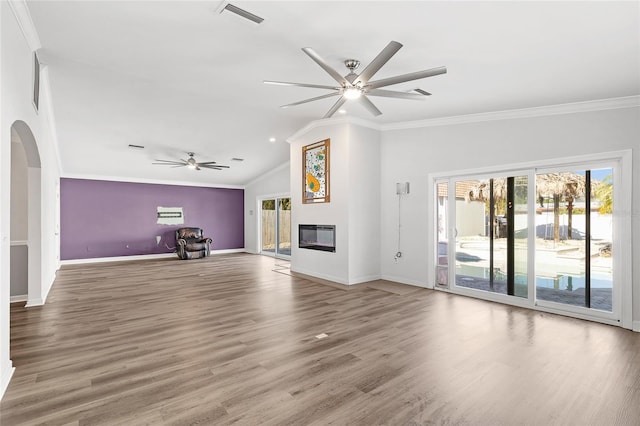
(544, 237)
(491, 234)
(276, 226)
(574, 230)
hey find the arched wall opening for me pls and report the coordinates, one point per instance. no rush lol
(26, 217)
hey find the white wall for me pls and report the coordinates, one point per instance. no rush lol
(274, 184)
(18, 192)
(364, 203)
(411, 154)
(354, 206)
(16, 71)
(19, 216)
(326, 265)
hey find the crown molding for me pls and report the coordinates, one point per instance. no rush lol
(332, 122)
(23, 17)
(149, 181)
(569, 108)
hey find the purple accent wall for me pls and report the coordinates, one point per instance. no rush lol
(101, 218)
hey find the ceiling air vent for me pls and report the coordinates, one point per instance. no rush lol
(422, 92)
(241, 12)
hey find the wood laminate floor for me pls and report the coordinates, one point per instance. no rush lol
(231, 340)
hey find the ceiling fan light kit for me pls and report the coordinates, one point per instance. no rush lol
(358, 86)
(352, 93)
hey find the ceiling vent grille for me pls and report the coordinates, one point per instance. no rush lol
(241, 12)
(422, 92)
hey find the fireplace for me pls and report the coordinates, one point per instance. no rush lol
(317, 237)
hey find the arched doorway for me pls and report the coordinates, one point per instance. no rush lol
(26, 241)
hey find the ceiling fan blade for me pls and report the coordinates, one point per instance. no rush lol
(205, 163)
(406, 77)
(169, 162)
(323, 64)
(392, 94)
(313, 86)
(310, 100)
(335, 107)
(370, 106)
(214, 167)
(382, 58)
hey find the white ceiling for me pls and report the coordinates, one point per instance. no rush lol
(178, 76)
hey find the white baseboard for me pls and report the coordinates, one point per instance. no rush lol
(116, 258)
(140, 257)
(636, 326)
(7, 372)
(228, 251)
(47, 289)
(321, 276)
(364, 279)
(34, 302)
(18, 298)
(403, 280)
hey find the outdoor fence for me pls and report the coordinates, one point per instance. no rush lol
(269, 228)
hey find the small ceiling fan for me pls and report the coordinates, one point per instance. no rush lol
(360, 86)
(192, 163)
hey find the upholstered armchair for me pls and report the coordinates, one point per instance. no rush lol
(190, 244)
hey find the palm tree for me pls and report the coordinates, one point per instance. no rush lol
(604, 193)
(556, 186)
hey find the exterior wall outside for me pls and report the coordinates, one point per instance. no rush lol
(110, 219)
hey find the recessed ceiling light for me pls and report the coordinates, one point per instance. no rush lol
(272, 139)
(342, 111)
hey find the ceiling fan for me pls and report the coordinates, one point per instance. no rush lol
(360, 86)
(192, 163)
